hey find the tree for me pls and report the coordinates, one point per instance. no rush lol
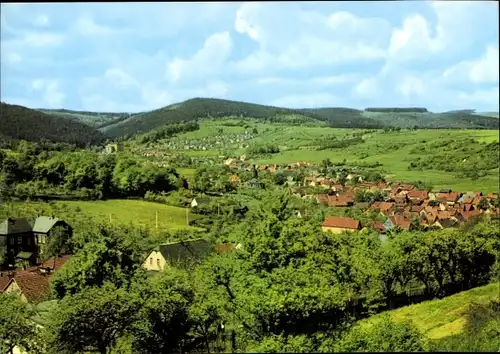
(105, 255)
(58, 244)
(483, 204)
(383, 336)
(163, 320)
(92, 320)
(16, 327)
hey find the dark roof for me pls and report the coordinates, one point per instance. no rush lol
(14, 226)
(186, 250)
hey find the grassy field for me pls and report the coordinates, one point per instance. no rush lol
(137, 212)
(391, 149)
(441, 318)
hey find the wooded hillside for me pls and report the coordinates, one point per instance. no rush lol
(21, 123)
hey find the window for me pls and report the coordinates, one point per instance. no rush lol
(158, 262)
(19, 240)
(29, 241)
(150, 260)
(11, 241)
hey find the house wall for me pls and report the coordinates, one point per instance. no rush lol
(155, 261)
(13, 287)
(27, 244)
(336, 230)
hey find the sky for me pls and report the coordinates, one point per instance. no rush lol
(131, 57)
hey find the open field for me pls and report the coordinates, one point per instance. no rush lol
(394, 150)
(441, 318)
(137, 212)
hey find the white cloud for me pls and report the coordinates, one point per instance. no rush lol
(367, 88)
(306, 100)
(207, 61)
(11, 58)
(41, 21)
(307, 38)
(482, 70)
(86, 26)
(411, 85)
(50, 90)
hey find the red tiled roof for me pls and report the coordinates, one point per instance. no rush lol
(415, 194)
(401, 221)
(377, 225)
(33, 284)
(407, 187)
(341, 222)
(466, 215)
(443, 215)
(4, 281)
(416, 208)
(382, 206)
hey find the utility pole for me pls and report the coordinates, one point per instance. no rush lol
(157, 220)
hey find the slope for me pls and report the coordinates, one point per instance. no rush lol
(338, 117)
(18, 122)
(445, 317)
(94, 119)
(205, 108)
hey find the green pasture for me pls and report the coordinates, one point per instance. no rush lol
(136, 212)
(441, 318)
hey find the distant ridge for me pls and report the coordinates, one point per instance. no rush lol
(21, 123)
(122, 125)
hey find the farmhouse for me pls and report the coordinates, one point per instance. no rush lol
(22, 241)
(31, 284)
(337, 224)
(183, 252)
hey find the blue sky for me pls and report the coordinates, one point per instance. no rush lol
(128, 57)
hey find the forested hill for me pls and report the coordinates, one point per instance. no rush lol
(203, 108)
(18, 122)
(95, 119)
(80, 127)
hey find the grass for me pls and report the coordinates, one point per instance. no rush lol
(137, 212)
(392, 149)
(441, 318)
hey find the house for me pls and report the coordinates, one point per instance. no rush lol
(382, 207)
(32, 284)
(340, 201)
(199, 201)
(397, 220)
(16, 236)
(19, 240)
(182, 252)
(337, 224)
(416, 196)
(46, 226)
